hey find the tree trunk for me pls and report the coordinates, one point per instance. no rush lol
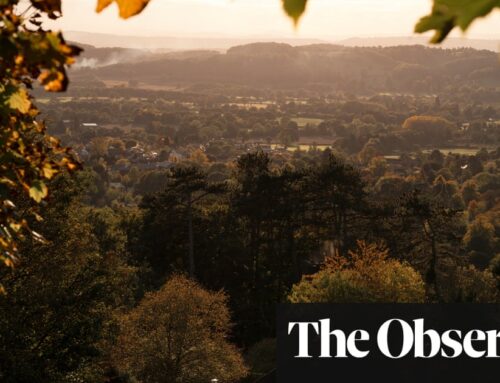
(431, 277)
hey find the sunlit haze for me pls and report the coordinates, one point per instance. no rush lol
(261, 18)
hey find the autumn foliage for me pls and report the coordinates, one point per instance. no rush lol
(29, 157)
(367, 275)
(179, 334)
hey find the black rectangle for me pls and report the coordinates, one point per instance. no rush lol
(377, 366)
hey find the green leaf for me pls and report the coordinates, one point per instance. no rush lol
(448, 14)
(295, 8)
(38, 191)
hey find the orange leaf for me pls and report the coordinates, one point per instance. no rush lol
(127, 8)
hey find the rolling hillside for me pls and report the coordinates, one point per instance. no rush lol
(273, 65)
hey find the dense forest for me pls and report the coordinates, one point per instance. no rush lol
(275, 174)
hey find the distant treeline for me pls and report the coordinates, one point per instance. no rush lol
(358, 70)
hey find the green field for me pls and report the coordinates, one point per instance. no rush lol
(303, 147)
(249, 105)
(303, 121)
(461, 151)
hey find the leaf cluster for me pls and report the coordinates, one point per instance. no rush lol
(29, 157)
(446, 15)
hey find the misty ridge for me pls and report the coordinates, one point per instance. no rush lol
(97, 57)
(405, 68)
(193, 43)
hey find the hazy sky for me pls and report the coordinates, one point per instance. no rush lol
(253, 18)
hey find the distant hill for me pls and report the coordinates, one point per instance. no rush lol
(172, 43)
(277, 65)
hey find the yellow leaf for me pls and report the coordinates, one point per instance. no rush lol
(127, 8)
(15, 226)
(38, 191)
(20, 101)
(38, 217)
(48, 171)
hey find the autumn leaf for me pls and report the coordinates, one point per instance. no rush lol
(127, 8)
(295, 9)
(38, 191)
(54, 81)
(48, 171)
(19, 100)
